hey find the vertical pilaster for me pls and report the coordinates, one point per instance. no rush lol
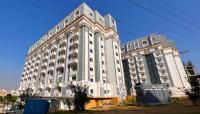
(83, 54)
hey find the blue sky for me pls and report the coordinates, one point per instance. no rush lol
(22, 24)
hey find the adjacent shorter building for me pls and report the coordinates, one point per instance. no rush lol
(84, 48)
(14, 92)
(3, 92)
(190, 69)
(155, 61)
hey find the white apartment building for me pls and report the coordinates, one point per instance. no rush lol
(84, 48)
(154, 60)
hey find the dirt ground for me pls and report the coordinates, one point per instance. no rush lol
(182, 107)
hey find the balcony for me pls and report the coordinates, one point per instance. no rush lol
(63, 42)
(159, 61)
(74, 53)
(73, 61)
(53, 54)
(51, 69)
(44, 64)
(47, 92)
(43, 71)
(36, 68)
(54, 47)
(60, 80)
(75, 37)
(62, 49)
(157, 54)
(52, 61)
(45, 58)
(73, 72)
(35, 74)
(74, 44)
(37, 62)
(61, 65)
(57, 93)
(62, 56)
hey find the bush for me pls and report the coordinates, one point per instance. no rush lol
(80, 97)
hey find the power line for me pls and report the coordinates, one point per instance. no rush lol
(57, 12)
(41, 7)
(173, 13)
(181, 11)
(130, 24)
(159, 15)
(133, 16)
(62, 13)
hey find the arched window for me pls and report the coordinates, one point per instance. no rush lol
(144, 43)
(153, 40)
(69, 34)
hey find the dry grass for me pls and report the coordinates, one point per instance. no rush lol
(182, 107)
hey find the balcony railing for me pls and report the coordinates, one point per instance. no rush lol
(75, 36)
(74, 53)
(61, 56)
(61, 64)
(53, 53)
(73, 61)
(74, 44)
(62, 48)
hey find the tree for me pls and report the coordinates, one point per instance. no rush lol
(80, 97)
(21, 106)
(2, 99)
(55, 104)
(69, 104)
(10, 99)
(26, 95)
(193, 93)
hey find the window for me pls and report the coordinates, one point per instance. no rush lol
(136, 45)
(104, 81)
(91, 59)
(91, 69)
(117, 61)
(90, 42)
(91, 79)
(91, 90)
(91, 14)
(102, 62)
(69, 34)
(77, 12)
(66, 21)
(74, 78)
(153, 40)
(145, 43)
(115, 47)
(58, 27)
(117, 54)
(101, 46)
(103, 71)
(90, 34)
(102, 54)
(100, 19)
(113, 21)
(118, 69)
(91, 51)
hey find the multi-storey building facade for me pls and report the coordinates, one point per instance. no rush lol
(154, 60)
(84, 48)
